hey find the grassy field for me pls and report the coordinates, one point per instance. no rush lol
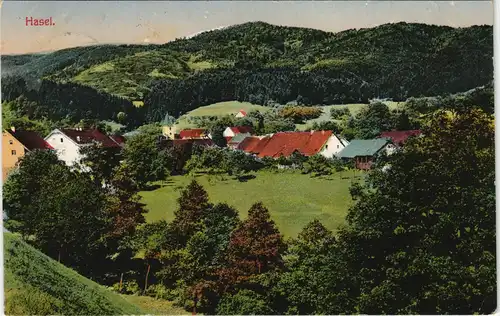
(218, 109)
(293, 199)
(232, 107)
(38, 285)
(153, 306)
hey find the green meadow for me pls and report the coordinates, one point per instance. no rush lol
(293, 199)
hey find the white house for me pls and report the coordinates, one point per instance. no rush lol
(333, 145)
(235, 130)
(67, 142)
(241, 113)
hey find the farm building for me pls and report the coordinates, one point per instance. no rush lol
(241, 113)
(285, 143)
(233, 142)
(363, 151)
(15, 144)
(195, 133)
(67, 142)
(398, 138)
(235, 130)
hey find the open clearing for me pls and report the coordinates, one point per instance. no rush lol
(293, 199)
(218, 109)
(232, 107)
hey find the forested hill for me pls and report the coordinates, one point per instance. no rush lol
(260, 62)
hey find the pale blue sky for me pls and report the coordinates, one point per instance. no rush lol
(81, 23)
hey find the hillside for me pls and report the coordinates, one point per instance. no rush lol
(258, 62)
(36, 284)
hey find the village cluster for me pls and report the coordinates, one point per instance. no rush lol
(67, 143)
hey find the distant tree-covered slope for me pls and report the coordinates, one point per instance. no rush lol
(260, 62)
(38, 285)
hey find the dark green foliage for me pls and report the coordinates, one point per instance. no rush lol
(57, 101)
(373, 120)
(217, 161)
(37, 285)
(193, 205)
(101, 161)
(299, 114)
(244, 302)
(255, 247)
(63, 212)
(422, 234)
(338, 114)
(143, 159)
(317, 165)
(315, 281)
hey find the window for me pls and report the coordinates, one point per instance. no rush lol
(11, 142)
(61, 140)
(338, 146)
(326, 146)
(13, 152)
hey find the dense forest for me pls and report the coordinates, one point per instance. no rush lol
(260, 63)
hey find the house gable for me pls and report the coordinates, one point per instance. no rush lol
(12, 151)
(66, 148)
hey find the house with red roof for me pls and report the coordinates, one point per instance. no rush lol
(284, 144)
(398, 138)
(15, 144)
(241, 113)
(195, 133)
(67, 142)
(235, 130)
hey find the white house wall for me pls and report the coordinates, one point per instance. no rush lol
(332, 146)
(228, 132)
(66, 150)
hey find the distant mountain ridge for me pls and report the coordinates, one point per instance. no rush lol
(260, 62)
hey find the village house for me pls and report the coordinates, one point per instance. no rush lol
(15, 144)
(363, 152)
(398, 138)
(240, 114)
(235, 130)
(67, 142)
(233, 142)
(325, 143)
(195, 133)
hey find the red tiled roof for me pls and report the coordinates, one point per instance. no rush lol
(30, 140)
(87, 136)
(248, 144)
(241, 129)
(120, 140)
(192, 133)
(261, 145)
(399, 137)
(285, 143)
(243, 112)
(228, 138)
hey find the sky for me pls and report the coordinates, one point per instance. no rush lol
(80, 23)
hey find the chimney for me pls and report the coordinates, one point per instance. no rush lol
(322, 132)
(13, 129)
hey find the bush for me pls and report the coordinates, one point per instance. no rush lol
(245, 302)
(338, 114)
(299, 114)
